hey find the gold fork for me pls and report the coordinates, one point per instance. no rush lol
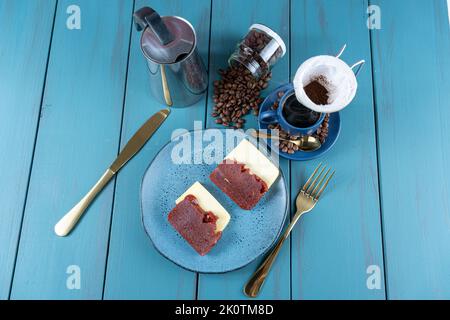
(305, 202)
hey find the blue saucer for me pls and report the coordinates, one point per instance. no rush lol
(333, 129)
(248, 235)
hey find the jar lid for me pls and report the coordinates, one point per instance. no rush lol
(272, 34)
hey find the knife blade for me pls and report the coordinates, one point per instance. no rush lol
(139, 139)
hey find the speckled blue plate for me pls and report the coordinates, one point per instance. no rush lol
(333, 129)
(249, 233)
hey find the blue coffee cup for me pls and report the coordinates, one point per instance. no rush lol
(305, 116)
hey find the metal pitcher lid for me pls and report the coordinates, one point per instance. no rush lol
(165, 40)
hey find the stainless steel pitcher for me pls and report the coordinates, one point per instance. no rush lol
(178, 75)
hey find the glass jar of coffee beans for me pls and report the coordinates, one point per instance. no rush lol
(258, 51)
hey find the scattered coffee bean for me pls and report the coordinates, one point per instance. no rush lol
(289, 147)
(322, 132)
(236, 93)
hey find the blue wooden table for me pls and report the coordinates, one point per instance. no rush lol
(71, 97)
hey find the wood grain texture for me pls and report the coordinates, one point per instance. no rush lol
(230, 23)
(335, 243)
(135, 269)
(81, 129)
(77, 140)
(23, 61)
(412, 82)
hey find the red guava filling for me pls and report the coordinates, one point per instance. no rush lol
(195, 225)
(237, 182)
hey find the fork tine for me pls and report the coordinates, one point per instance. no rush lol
(311, 177)
(313, 184)
(319, 184)
(324, 186)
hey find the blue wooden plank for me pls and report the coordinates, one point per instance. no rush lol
(333, 245)
(412, 82)
(230, 22)
(25, 33)
(78, 138)
(135, 269)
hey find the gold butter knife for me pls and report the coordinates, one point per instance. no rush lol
(68, 222)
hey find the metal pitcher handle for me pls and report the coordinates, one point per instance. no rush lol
(147, 17)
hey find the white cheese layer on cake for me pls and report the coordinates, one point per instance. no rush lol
(208, 203)
(253, 159)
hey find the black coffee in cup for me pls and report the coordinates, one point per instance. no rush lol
(297, 114)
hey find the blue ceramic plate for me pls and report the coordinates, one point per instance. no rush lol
(333, 129)
(249, 233)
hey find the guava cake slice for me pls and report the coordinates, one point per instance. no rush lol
(245, 175)
(199, 218)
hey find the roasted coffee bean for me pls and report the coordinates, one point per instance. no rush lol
(236, 93)
(291, 148)
(322, 132)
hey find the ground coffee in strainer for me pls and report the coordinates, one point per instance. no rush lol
(325, 84)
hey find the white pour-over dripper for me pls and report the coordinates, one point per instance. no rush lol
(333, 73)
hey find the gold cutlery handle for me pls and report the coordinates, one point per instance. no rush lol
(258, 134)
(66, 224)
(256, 281)
(166, 90)
(137, 141)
